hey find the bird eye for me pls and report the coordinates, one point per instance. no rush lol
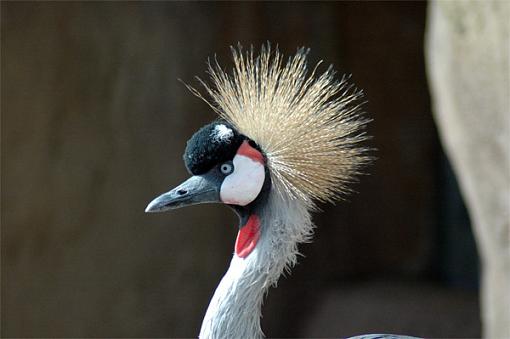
(227, 168)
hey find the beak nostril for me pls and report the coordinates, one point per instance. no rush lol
(182, 192)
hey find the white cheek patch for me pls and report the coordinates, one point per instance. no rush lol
(245, 183)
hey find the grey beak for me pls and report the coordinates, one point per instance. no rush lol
(198, 189)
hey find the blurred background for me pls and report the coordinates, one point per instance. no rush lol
(94, 124)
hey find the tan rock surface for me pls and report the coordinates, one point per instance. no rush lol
(468, 63)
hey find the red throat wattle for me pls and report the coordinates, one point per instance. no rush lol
(248, 236)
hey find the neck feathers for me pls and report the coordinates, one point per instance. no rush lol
(234, 310)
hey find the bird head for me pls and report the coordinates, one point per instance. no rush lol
(226, 167)
(284, 133)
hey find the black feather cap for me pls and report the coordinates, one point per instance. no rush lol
(212, 144)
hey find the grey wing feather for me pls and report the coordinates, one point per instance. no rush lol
(382, 336)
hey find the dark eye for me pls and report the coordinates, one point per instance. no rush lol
(227, 168)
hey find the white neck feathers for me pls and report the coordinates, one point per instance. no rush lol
(234, 310)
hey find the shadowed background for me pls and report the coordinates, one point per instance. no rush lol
(94, 123)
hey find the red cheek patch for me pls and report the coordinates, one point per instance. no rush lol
(248, 237)
(250, 152)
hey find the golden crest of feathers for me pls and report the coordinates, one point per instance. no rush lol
(308, 125)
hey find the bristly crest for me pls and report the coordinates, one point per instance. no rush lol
(308, 125)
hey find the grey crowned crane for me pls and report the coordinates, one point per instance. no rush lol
(285, 139)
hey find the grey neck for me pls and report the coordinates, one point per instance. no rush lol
(234, 310)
